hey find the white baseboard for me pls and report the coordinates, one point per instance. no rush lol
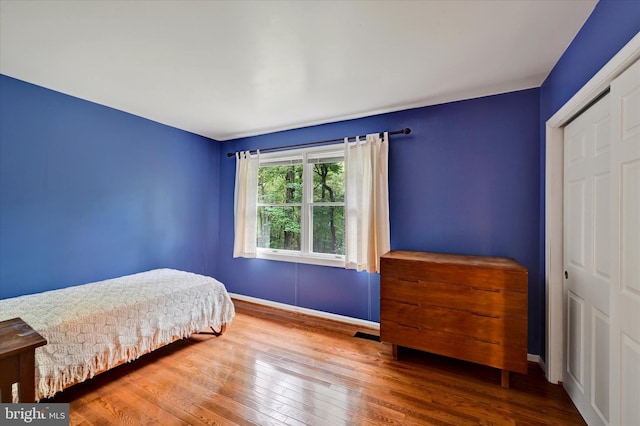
(335, 317)
(543, 365)
(533, 358)
(307, 311)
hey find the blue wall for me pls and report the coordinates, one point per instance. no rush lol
(465, 181)
(89, 193)
(611, 25)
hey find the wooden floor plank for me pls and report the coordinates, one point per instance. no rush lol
(274, 367)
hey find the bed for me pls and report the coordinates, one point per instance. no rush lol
(94, 327)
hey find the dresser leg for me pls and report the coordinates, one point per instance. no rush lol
(394, 351)
(505, 379)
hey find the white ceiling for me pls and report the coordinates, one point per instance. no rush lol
(226, 69)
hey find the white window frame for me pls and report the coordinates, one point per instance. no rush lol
(305, 255)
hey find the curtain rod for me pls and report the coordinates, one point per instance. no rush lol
(395, 132)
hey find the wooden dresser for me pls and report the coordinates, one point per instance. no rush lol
(472, 308)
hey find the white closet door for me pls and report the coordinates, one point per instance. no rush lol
(586, 261)
(625, 248)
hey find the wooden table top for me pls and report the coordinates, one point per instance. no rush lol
(17, 336)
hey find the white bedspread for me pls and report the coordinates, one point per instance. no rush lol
(93, 327)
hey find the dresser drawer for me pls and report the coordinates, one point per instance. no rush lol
(458, 322)
(481, 301)
(512, 358)
(513, 279)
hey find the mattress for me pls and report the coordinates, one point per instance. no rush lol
(93, 327)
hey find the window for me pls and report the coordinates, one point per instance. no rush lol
(300, 206)
(326, 206)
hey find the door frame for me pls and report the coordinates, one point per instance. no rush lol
(554, 143)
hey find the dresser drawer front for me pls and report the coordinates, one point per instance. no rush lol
(502, 304)
(478, 277)
(512, 358)
(488, 329)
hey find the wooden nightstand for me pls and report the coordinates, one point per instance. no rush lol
(18, 343)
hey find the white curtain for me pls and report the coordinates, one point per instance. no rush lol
(366, 202)
(245, 204)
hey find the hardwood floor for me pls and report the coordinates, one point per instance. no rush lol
(274, 367)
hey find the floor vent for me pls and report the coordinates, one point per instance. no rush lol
(367, 336)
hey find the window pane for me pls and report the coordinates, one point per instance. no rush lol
(328, 182)
(328, 229)
(280, 184)
(279, 227)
